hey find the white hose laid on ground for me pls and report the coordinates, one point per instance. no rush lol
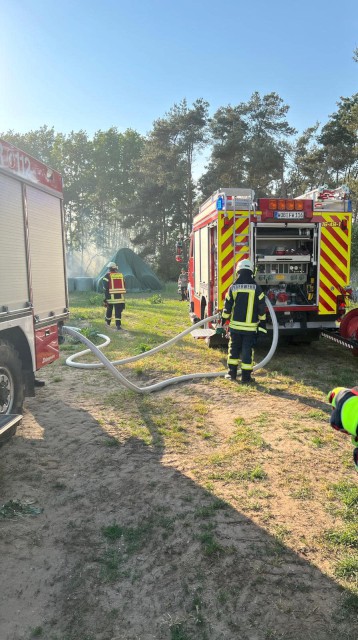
(74, 332)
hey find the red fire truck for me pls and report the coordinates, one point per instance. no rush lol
(300, 249)
(33, 285)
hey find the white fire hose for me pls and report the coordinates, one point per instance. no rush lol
(74, 332)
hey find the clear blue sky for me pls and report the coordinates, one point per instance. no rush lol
(76, 64)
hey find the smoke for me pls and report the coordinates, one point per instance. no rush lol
(86, 263)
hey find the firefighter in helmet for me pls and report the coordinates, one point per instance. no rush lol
(344, 415)
(244, 307)
(114, 290)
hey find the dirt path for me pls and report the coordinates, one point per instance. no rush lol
(133, 543)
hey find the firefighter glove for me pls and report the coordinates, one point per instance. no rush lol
(105, 303)
(261, 328)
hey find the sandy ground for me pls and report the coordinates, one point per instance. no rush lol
(183, 564)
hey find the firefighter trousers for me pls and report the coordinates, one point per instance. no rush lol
(241, 344)
(118, 308)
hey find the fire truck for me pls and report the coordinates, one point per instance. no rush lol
(33, 285)
(300, 249)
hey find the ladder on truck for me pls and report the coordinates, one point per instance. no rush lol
(327, 200)
(242, 200)
(324, 193)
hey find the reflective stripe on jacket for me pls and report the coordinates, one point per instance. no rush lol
(114, 287)
(244, 305)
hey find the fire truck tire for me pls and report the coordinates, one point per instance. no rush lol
(11, 380)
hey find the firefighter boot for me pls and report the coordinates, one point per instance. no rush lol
(118, 326)
(231, 372)
(108, 322)
(246, 377)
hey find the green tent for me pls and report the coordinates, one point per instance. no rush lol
(138, 276)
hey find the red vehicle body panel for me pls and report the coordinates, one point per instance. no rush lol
(46, 345)
(26, 167)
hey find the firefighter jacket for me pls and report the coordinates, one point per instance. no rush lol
(344, 416)
(345, 410)
(114, 287)
(244, 304)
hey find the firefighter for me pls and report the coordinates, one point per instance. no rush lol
(245, 308)
(344, 415)
(114, 290)
(183, 284)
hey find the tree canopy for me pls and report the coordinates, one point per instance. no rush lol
(125, 189)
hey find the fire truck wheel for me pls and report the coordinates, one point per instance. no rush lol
(11, 379)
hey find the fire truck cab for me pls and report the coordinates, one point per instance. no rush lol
(300, 249)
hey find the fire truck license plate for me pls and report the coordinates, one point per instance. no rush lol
(289, 215)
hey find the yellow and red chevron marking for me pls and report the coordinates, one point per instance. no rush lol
(226, 253)
(334, 271)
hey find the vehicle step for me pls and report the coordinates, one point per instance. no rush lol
(8, 421)
(203, 333)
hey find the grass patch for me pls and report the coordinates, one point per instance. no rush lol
(345, 537)
(161, 421)
(350, 603)
(209, 510)
(247, 436)
(303, 493)
(134, 538)
(177, 632)
(111, 442)
(110, 564)
(210, 546)
(15, 508)
(255, 473)
(317, 441)
(316, 414)
(347, 568)
(343, 499)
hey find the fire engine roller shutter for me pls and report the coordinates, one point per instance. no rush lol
(197, 261)
(334, 267)
(46, 250)
(13, 268)
(204, 256)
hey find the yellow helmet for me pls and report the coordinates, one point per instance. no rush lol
(333, 395)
